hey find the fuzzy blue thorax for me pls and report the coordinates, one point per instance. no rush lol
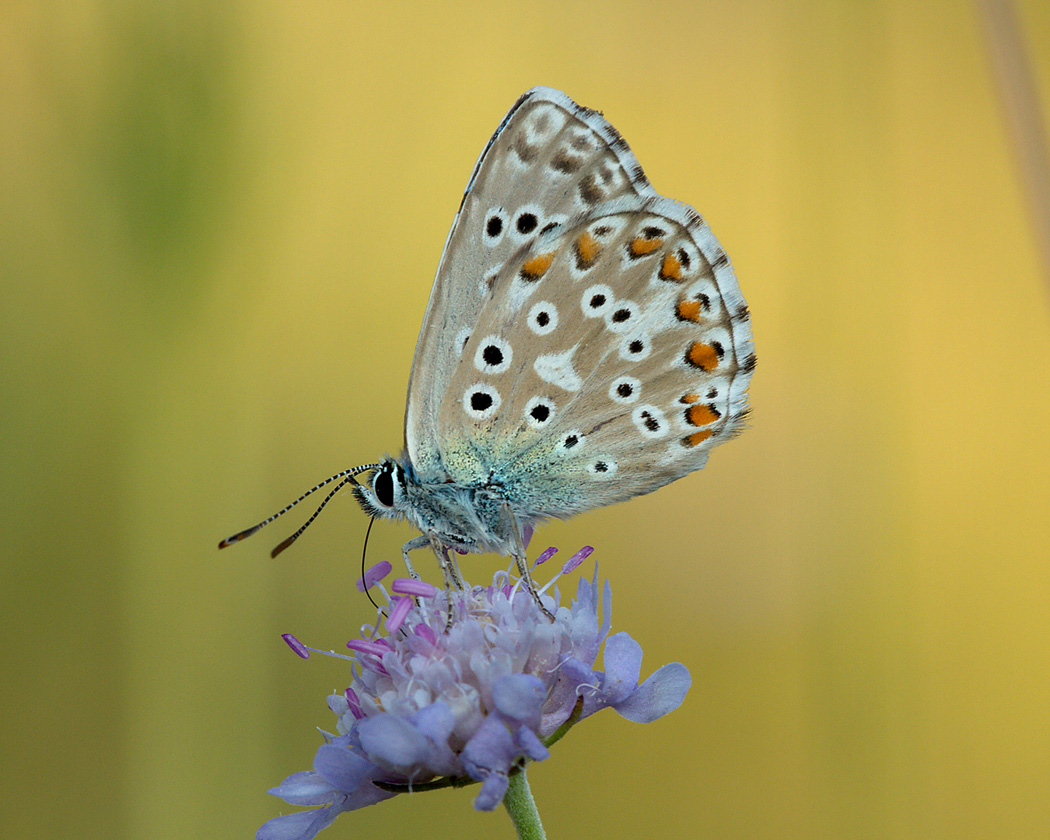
(470, 518)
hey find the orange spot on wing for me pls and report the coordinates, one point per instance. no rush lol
(703, 356)
(697, 438)
(587, 248)
(690, 398)
(640, 246)
(535, 268)
(700, 415)
(671, 268)
(689, 310)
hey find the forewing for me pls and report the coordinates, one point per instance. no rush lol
(609, 358)
(550, 160)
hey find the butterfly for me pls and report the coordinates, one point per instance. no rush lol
(585, 342)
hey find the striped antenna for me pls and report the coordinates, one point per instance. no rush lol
(346, 476)
(278, 549)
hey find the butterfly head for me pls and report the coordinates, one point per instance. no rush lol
(383, 494)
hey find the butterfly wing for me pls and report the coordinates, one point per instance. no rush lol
(549, 160)
(607, 359)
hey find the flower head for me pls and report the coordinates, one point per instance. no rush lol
(438, 700)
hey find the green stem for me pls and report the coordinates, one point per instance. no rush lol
(522, 809)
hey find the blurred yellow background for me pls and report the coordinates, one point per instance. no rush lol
(219, 224)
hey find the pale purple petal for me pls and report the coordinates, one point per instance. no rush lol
(491, 749)
(339, 704)
(529, 745)
(587, 594)
(435, 721)
(393, 741)
(343, 769)
(492, 791)
(663, 692)
(487, 757)
(606, 606)
(304, 788)
(302, 826)
(367, 794)
(561, 698)
(519, 697)
(623, 666)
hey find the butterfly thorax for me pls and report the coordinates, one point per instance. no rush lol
(473, 518)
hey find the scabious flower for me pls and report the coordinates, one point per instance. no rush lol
(438, 701)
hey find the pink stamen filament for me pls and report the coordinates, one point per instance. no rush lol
(374, 574)
(398, 614)
(416, 588)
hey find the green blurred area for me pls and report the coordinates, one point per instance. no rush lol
(218, 228)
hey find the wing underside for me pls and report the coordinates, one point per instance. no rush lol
(549, 160)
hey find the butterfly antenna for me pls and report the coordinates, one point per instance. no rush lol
(282, 546)
(364, 554)
(346, 475)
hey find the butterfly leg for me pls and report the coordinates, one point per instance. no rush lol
(453, 581)
(523, 570)
(448, 569)
(412, 545)
(517, 540)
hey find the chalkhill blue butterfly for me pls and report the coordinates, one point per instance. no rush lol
(585, 342)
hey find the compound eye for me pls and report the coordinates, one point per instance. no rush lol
(383, 487)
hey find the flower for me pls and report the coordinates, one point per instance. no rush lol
(436, 702)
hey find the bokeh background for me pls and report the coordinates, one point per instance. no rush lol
(219, 224)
